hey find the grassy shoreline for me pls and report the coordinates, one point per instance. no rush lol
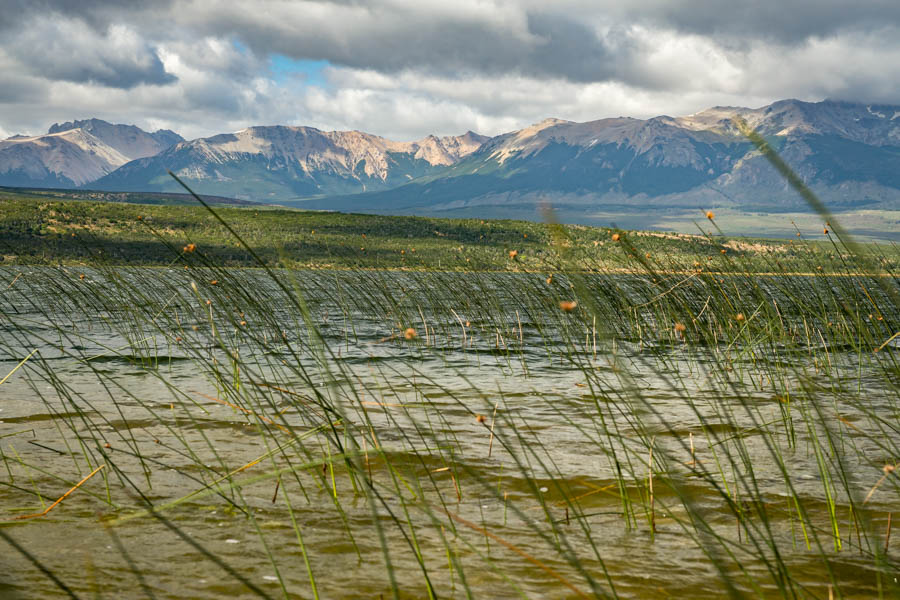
(45, 230)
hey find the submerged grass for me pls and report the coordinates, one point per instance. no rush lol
(698, 418)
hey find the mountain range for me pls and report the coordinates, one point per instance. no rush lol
(280, 163)
(848, 152)
(75, 153)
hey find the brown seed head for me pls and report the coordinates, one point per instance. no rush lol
(710, 215)
(190, 247)
(480, 418)
(550, 280)
(214, 282)
(615, 237)
(889, 469)
(739, 317)
(679, 327)
(567, 305)
(826, 231)
(410, 333)
(81, 276)
(513, 254)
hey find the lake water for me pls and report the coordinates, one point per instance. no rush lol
(254, 431)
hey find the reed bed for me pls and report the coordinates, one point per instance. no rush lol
(583, 430)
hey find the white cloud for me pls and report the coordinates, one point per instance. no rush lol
(405, 69)
(70, 50)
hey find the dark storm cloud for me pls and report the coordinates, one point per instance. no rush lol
(581, 41)
(97, 13)
(569, 48)
(788, 21)
(67, 49)
(391, 38)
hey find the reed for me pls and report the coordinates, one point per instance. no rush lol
(594, 420)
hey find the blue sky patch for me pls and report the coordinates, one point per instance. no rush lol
(285, 68)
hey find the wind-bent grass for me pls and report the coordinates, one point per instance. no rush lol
(619, 429)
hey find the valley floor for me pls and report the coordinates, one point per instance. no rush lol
(43, 229)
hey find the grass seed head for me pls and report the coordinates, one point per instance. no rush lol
(410, 334)
(739, 317)
(513, 254)
(679, 327)
(567, 305)
(710, 215)
(615, 237)
(480, 418)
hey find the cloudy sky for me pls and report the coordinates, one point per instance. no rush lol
(407, 68)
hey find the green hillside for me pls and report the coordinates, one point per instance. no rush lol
(49, 228)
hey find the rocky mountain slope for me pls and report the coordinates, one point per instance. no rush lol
(76, 153)
(849, 153)
(277, 163)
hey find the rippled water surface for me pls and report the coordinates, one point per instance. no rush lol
(288, 440)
